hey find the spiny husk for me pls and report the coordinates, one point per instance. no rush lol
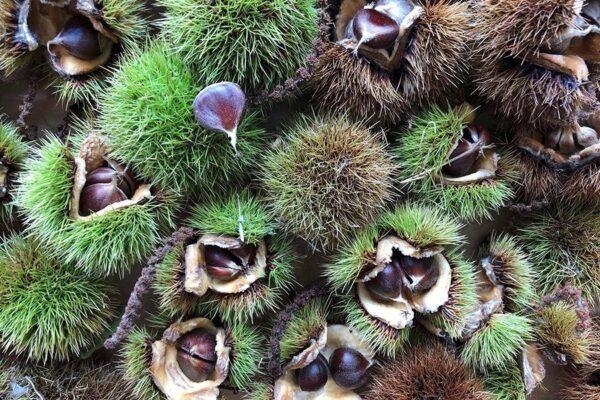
(13, 151)
(434, 65)
(425, 372)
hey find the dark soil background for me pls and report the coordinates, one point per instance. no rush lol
(47, 115)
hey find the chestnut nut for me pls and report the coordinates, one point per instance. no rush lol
(196, 355)
(388, 282)
(375, 29)
(348, 368)
(227, 264)
(314, 376)
(105, 186)
(468, 150)
(79, 38)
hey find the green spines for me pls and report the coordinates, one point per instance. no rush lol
(563, 243)
(256, 43)
(305, 324)
(557, 326)
(505, 384)
(247, 353)
(48, 311)
(497, 343)
(103, 245)
(424, 150)
(135, 364)
(382, 338)
(328, 179)
(13, 152)
(175, 153)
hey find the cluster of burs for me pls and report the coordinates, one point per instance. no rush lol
(301, 199)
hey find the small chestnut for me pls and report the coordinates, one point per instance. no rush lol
(220, 108)
(348, 367)
(79, 38)
(388, 282)
(314, 376)
(196, 354)
(103, 187)
(419, 273)
(221, 263)
(467, 151)
(375, 29)
(107, 174)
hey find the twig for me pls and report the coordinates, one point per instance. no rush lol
(134, 305)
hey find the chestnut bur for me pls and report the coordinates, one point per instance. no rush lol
(348, 368)
(105, 186)
(467, 152)
(196, 355)
(375, 29)
(220, 108)
(314, 376)
(79, 38)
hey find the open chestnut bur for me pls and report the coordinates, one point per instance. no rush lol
(535, 58)
(403, 271)
(383, 55)
(13, 152)
(77, 37)
(313, 359)
(562, 163)
(112, 220)
(190, 359)
(448, 160)
(234, 266)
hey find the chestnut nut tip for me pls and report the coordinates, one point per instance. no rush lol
(220, 108)
(79, 38)
(375, 29)
(196, 355)
(468, 150)
(314, 376)
(348, 368)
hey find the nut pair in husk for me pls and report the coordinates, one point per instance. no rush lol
(498, 328)
(401, 271)
(49, 311)
(535, 57)
(13, 152)
(213, 139)
(560, 164)
(563, 243)
(388, 57)
(78, 38)
(235, 266)
(448, 160)
(311, 358)
(190, 359)
(89, 208)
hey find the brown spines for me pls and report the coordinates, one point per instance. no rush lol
(425, 372)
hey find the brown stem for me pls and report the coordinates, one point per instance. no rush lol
(134, 305)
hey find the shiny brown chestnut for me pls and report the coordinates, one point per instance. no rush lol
(221, 263)
(105, 186)
(106, 175)
(388, 282)
(348, 368)
(375, 29)
(314, 376)
(419, 274)
(196, 355)
(468, 150)
(79, 38)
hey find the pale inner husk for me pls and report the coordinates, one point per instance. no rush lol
(337, 336)
(168, 376)
(484, 169)
(40, 22)
(385, 58)
(399, 312)
(571, 146)
(532, 367)
(198, 281)
(142, 193)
